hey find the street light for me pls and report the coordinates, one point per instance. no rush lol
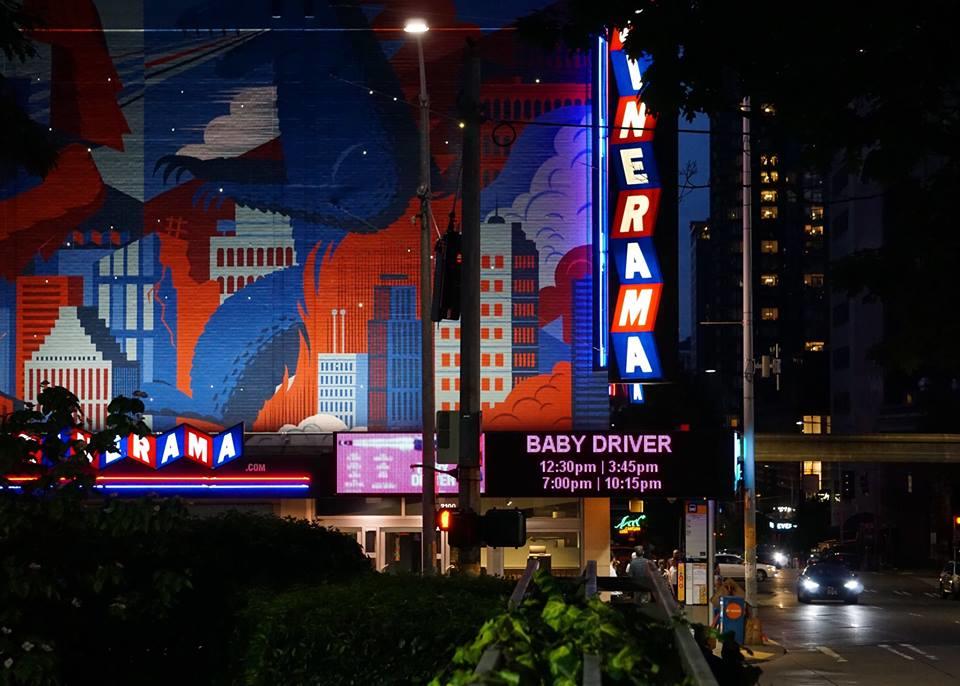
(418, 27)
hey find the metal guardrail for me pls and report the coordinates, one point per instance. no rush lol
(492, 656)
(663, 605)
(691, 658)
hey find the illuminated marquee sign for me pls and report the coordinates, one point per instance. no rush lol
(387, 464)
(629, 280)
(161, 450)
(594, 464)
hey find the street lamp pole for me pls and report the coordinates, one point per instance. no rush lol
(418, 27)
(749, 367)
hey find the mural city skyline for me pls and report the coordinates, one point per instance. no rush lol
(228, 227)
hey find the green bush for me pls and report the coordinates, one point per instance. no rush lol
(543, 642)
(138, 591)
(383, 630)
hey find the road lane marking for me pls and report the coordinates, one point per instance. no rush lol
(930, 595)
(918, 651)
(896, 652)
(915, 614)
(903, 593)
(830, 653)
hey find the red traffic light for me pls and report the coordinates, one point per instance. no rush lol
(445, 520)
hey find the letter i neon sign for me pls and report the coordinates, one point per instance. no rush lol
(629, 197)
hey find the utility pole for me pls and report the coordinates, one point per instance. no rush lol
(749, 367)
(469, 465)
(428, 471)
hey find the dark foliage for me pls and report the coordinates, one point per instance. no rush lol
(26, 144)
(384, 630)
(123, 592)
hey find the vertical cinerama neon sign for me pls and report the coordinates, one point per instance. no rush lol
(630, 282)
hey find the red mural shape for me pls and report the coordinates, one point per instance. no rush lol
(38, 220)
(84, 83)
(540, 403)
(346, 279)
(556, 301)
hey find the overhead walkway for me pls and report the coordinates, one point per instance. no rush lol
(941, 448)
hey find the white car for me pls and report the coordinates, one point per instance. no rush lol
(733, 566)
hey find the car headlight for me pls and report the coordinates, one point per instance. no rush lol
(780, 558)
(810, 585)
(852, 585)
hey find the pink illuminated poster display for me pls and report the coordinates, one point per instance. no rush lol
(383, 464)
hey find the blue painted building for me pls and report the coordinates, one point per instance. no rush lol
(139, 307)
(393, 345)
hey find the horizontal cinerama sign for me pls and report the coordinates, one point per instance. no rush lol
(161, 450)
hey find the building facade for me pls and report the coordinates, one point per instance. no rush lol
(80, 354)
(343, 387)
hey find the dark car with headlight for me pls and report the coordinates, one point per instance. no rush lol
(828, 581)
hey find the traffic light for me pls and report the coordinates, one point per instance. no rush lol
(462, 527)
(956, 520)
(504, 528)
(446, 276)
(847, 491)
(496, 528)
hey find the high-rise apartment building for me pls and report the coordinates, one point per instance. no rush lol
(790, 300)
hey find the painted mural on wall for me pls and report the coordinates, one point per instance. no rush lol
(229, 227)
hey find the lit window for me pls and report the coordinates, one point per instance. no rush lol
(815, 424)
(485, 384)
(768, 196)
(484, 333)
(485, 360)
(498, 310)
(445, 384)
(765, 177)
(769, 247)
(768, 108)
(816, 212)
(769, 279)
(768, 160)
(498, 383)
(813, 230)
(768, 213)
(813, 280)
(814, 346)
(769, 314)
(774, 176)
(485, 310)
(498, 261)
(485, 262)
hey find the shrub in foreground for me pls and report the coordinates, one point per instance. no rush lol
(139, 592)
(384, 630)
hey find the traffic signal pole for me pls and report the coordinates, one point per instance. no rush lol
(469, 464)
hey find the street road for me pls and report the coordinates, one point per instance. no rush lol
(900, 633)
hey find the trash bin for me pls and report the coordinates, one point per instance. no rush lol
(733, 616)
